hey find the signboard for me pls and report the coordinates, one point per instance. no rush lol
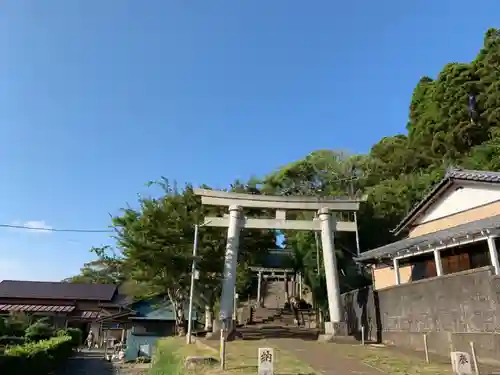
(461, 363)
(266, 361)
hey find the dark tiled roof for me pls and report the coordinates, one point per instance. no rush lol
(37, 308)
(452, 174)
(432, 239)
(56, 290)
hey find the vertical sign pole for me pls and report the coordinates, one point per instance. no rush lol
(222, 352)
(191, 292)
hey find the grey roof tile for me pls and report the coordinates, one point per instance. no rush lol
(56, 290)
(432, 239)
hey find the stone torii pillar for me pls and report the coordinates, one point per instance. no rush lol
(330, 262)
(230, 263)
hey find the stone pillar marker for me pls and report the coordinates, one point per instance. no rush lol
(230, 263)
(330, 262)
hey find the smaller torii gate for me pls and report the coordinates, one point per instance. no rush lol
(275, 272)
(325, 223)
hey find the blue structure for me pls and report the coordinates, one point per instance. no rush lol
(140, 345)
(156, 308)
(146, 321)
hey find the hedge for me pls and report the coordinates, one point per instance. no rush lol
(39, 358)
(75, 333)
(11, 340)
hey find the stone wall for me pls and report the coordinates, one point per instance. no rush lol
(451, 310)
(361, 310)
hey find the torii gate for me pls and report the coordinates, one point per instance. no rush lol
(325, 223)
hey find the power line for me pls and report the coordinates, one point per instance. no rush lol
(56, 229)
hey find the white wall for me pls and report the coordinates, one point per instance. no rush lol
(466, 197)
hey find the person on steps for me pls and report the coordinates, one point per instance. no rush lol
(90, 339)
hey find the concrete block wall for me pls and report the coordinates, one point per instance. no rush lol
(451, 310)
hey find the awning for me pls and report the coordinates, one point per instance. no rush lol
(121, 314)
(37, 308)
(91, 315)
(462, 232)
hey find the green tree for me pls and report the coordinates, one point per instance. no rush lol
(321, 173)
(156, 243)
(104, 270)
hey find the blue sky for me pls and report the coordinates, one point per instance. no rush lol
(98, 97)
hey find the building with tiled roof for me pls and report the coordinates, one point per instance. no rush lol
(454, 228)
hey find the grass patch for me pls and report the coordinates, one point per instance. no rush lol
(241, 359)
(391, 361)
(166, 360)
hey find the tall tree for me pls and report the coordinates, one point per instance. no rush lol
(156, 243)
(104, 270)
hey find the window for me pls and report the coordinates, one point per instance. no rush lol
(465, 257)
(423, 266)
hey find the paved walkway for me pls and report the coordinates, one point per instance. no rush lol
(303, 345)
(88, 363)
(322, 358)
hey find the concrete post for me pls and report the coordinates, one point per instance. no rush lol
(230, 263)
(259, 290)
(300, 285)
(208, 318)
(330, 262)
(494, 254)
(439, 264)
(397, 277)
(235, 308)
(287, 297)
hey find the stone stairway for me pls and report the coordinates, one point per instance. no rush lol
(274, 294)
(273, 324)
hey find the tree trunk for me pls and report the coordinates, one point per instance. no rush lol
(178, 305)
(209, 317)
(180, 321)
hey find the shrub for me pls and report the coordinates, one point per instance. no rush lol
(3, 326)
(40, 358)
(14, 325)
(75, 334)
(11, 340)
(38, 331)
